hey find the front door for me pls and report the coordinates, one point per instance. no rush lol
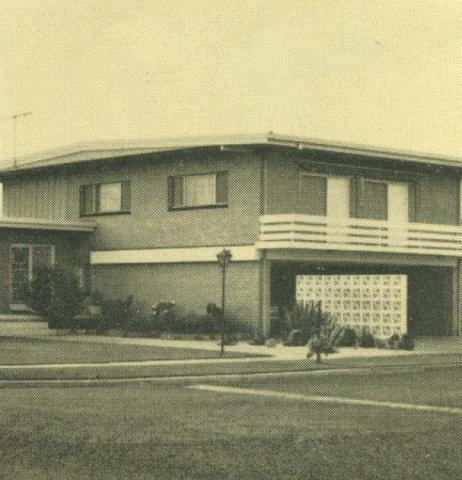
(25, 261)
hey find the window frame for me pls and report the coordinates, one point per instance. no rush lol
(95, 193)
(30, 246)
(171, 191)
(328, 176)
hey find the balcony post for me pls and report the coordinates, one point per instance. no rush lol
(457, 299)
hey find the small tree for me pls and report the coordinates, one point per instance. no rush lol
(55, 294)
(327, 334)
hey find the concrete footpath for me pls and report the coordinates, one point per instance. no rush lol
(446, 353)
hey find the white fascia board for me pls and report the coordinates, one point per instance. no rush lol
(241, 253)
(45, 224)
(83, 152)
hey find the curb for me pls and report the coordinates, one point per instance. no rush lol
(188, 379)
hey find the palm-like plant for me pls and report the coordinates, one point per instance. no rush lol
(327, 334)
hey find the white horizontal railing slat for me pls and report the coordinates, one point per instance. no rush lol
(317, 232)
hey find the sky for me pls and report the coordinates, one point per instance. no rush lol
(384, 73)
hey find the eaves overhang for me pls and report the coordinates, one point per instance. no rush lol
(82, 153)
(45, 224)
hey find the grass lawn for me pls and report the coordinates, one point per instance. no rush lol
(152, 431)
(21, 351)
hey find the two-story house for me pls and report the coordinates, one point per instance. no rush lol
(374, 234)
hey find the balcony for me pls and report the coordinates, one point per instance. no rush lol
(295, 231)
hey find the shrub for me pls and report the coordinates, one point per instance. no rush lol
(55, 294)
(229, 339)
(258, 340)
(198, 324)
(271, 342)
(163, 317)
(366, 339)
(406, 342)
(89, 322)
(380, 343)
(116, 313)
(165, 320)
(96, 298)
(295, 339)
(393, 341)
(349, 338)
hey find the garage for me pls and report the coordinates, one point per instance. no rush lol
(378, 298)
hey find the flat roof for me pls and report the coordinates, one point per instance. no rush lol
(45, 224)
(93, 151)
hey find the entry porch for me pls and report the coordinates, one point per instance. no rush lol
(27, 244)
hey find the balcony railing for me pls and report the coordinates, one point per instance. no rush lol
(353, 234)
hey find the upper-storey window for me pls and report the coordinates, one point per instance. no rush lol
(384, 200)
(323, 195)
(313, 194)
(105, 198)
(374, 201)
(198, 191)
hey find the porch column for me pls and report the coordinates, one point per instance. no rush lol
(264, 324)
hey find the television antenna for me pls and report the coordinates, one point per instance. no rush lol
(15, 118)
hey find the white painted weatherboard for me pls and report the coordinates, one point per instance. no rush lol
(241, 253)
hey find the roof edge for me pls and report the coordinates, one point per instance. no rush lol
(93, 151)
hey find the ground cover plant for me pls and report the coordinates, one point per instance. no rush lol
(171, 432)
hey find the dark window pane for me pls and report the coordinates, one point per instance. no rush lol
(170, 192)
(374, 200)
(175, 192)
(87, 199)
(126, 196)
(313, 194)
(222, 188)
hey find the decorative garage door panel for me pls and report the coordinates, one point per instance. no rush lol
(375, 303)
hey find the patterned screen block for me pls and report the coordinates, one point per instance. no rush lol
(375, 303)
